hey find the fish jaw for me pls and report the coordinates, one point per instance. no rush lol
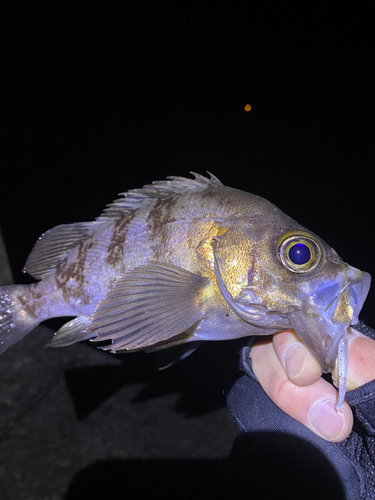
(330, 307)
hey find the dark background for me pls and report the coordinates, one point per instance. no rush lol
(101, 97)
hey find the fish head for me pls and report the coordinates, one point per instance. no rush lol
(293, 279)
(330, 291)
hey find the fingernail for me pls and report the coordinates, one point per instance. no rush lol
(294, 360)
(326, 421)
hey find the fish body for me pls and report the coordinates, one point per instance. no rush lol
(186, 260)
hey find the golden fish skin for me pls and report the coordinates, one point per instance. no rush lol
(186, 260)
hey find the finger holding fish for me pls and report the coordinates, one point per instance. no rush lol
(290, 376)
(301, 367)
(313, 405)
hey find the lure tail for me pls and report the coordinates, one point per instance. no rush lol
(15, 319)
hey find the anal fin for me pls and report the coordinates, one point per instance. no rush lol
(71, 332)
(148, 305)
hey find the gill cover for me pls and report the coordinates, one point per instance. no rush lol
(246, 305)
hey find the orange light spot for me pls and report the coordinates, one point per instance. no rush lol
(247, 108)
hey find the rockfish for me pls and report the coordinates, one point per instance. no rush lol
(187, 260)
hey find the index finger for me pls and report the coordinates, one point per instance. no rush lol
(312, 405)
(301, 367)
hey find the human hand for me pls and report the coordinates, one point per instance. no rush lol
(291, 377)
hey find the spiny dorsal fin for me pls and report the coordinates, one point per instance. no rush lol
(54, 245)
(135, 198)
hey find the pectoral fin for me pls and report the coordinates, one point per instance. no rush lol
(147, 305)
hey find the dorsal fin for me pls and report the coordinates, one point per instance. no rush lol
(135, 198)
(54, 245)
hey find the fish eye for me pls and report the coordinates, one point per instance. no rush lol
(299, 252)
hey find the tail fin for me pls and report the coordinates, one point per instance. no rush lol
(15, 323)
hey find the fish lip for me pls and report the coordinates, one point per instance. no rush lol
(340, 301)
(364, 287)
(333, 307)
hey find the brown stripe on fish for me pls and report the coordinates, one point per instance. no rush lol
(158, 218)
(73, 271)
(115, 249)
(29, 305)
(30, 298)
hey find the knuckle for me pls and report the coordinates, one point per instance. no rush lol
(279, 388)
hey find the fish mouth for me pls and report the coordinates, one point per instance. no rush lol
(331, 308)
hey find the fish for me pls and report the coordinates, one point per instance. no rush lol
(187, 260)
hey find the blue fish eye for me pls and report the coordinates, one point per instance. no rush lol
(299, 254)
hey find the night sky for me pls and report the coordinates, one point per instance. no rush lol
(101, 97)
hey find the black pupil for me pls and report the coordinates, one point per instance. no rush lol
(299, 254)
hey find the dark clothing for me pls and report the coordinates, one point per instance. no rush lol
(278, 457)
